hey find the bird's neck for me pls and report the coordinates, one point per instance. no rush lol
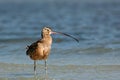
(47, 39)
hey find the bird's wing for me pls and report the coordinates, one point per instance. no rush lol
(32, 48)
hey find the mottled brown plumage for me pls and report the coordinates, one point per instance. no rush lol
(40, 49)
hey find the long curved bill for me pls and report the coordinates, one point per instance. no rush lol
(65, 35)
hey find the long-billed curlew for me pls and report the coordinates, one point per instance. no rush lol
(40, 49)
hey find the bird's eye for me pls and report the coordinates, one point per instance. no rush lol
(47, 30)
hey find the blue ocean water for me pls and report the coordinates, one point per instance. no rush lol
(95, 24)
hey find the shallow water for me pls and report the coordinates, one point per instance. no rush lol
(95, 57)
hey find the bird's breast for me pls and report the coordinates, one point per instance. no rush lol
(47, 49)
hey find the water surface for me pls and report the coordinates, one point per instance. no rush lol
(95, 57)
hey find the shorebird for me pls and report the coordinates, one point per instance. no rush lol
(40, 49)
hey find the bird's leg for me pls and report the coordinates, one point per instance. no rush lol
(45, 69)
(45, 66)
(35, 67)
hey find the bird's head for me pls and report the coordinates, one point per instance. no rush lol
(48, 31)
